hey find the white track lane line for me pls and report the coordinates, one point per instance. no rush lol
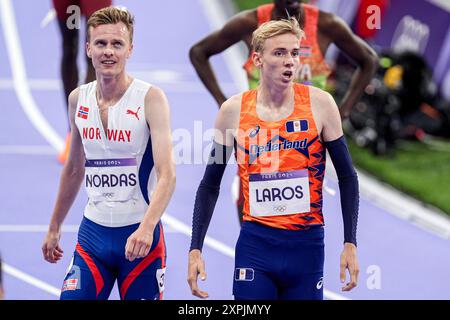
(12, 41)
(28, 150)
(49, 17)
(16, 273)
(35, 228)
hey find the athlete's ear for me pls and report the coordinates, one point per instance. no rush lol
(88, 50)
(256, 57)
(130, 51)
(88, 40)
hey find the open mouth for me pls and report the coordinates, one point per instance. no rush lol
(108, 62)
(288, 74)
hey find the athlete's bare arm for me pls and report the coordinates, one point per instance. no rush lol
(239, 27)
(336, 31)
(227, 121)
(157, 114)
(71, 178)
(326, 116)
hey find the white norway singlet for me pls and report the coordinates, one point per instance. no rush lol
(119, 175)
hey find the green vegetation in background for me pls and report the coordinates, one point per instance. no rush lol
(249, 4)
(419, 169)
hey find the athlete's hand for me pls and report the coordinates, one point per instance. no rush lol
(139, 243)
(196, 267)
(349, 261)
(50, 248)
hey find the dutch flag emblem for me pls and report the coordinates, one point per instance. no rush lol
(244, 274)
(297, 125)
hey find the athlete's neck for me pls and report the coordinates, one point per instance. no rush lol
(275, 96)
(112, 89)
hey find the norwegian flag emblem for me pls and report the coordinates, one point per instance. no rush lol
(83, 112)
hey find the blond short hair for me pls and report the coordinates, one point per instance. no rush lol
(111, 15)
(274, 28)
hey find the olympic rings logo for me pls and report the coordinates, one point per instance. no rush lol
(279, 209)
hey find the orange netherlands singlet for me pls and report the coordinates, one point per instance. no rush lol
(281, 165)
(313, 68)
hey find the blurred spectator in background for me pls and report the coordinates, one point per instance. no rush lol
(401, 102)
(407, 97)
(69, 14)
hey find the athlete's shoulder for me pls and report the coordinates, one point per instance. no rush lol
(321, 99)
(323, 104)
(155, 99)
(232, 104)
(140, 84)
(250, 16)
(155, 91)
(327, 19)
(318, 92)
(246, 20)
(330, 23)
(229, 112)
(73, 96)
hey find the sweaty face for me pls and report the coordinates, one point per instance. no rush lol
(279, 59)
(109, 48)
(292, 6)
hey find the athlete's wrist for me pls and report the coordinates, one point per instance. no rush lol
(349, 245)
(147, 224)
(54, 228)
(195, 254)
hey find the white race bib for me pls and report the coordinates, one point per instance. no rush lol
(280, 193)
(111, 179)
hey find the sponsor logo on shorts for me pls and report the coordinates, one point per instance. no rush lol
(319, 284)
(70, 284)
(73, 279)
